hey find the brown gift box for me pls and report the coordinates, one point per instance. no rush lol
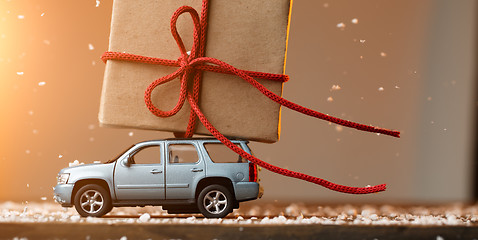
(248, 34)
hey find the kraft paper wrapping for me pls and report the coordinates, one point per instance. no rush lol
(248, 34)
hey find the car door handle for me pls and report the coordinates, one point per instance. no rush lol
(196, 170)
(154, 171)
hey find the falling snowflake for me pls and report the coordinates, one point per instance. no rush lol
(335, 88)
(383, 54)
(97, 3)
(362, 40)
(130, 134)
(60, 156)
(339, 128)
(380, 89)
(43, 198)
(20, 73)
(354, 21)
(330, 99)
(42, 14)
(41, 84)
(341, 25)
(21, 17)
(90, 46)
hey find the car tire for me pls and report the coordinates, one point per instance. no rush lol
(92, 201)
(215, 201)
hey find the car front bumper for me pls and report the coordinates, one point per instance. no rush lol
(62, 194)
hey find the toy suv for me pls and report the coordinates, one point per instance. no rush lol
(181, 175)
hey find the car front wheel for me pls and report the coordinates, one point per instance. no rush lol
(92, 201)
(215, 201)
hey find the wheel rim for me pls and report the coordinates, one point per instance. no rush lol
(91, 201)
(215, 202)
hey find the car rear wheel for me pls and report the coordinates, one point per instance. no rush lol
(215, 201)
(92, 201)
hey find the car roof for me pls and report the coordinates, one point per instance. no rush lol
(206, 139)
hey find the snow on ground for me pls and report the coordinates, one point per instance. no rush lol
(457, 214)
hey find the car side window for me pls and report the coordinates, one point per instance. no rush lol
(147, 155)
(219, 153)
(182, 153)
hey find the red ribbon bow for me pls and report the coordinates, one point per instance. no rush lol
(194, 63)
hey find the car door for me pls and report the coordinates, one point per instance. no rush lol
(184, 168)
(142, 177)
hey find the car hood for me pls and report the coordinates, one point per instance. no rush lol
(84, 168)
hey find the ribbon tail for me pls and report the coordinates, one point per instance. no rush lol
(293, 106)
(275, 169)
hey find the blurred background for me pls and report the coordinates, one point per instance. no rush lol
(406, 65)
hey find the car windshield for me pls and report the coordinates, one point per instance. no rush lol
(119, 155)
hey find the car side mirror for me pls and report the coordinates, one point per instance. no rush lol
(129, 161)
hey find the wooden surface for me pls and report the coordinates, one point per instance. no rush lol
(250, 232)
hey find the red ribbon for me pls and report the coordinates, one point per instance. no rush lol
(194, 63)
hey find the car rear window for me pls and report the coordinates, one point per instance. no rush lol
(219, 153)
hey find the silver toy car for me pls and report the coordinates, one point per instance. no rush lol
(182, 175)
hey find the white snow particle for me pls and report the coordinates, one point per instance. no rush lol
(330, 99)
(21, 17)
(97, 3)
(383, 54)
(440, 237)
(354, 21)
(339, 128)
(130, 134)
(43, 198)
(74, 163)
(341, 25)
(41, 84)
(144, 217)
(28, 185)
(60, 156)
(90, 46)
(124, 238)
(42, 14)
(380, 89)
(362, 40)
(20, 73)
(335, 88)
(397, 87)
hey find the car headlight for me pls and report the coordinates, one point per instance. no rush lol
(63, 178)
